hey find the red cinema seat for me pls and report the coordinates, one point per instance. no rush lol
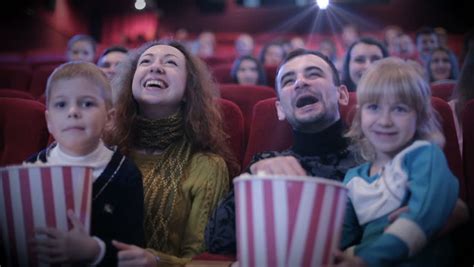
(221, 73)
(443, 89)
(451, 147)
(12, 93)
(23, 129)
(39, 79)
(233, 126)
(266, 131)
(246, 96)
(271, 72)
(16, 76)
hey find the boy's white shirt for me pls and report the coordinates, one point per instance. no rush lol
(98, 160)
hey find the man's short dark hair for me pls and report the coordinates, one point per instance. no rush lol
(301, 52)
(111, 49)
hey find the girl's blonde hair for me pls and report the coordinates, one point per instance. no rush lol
(397, 79)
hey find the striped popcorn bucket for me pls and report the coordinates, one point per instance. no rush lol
(288, 221)
(39, 196)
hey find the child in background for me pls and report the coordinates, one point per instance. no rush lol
(397, 132)
(81, 47)
(79, 105)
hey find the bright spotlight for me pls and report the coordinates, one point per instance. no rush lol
(140, 4)
(322, 4)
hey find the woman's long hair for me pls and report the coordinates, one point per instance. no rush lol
(202, 118)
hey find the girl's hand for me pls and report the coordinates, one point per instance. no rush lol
(344, 260)
(62, 247)
(130, 255)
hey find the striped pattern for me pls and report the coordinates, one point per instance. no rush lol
(288, 222)
(32, 197)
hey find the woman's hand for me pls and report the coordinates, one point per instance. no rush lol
(130, 255)
(55, 246)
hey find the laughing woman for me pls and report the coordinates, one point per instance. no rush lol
(167, 122)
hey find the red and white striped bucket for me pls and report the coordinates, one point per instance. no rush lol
(288, 221)
(39, 196)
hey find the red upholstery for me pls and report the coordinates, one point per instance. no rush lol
(45, 58)
(39, 79)
(451, 147)
(468, 150)
(246, 96)
(266, 131)
(443, 90)
(16, 76)
(222, 73)
(233, 126)
(271, 72)
(217, 60)
(23, 129)
(7, 92)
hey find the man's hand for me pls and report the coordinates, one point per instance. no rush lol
(287, 165)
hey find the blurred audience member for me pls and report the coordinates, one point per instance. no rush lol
(360, 55)
(205, 44)
(81, 47)
(247, 70)
(392, 35)
(426, 42)
(272, 54)
(244, 45)
(442, 65)
(442, 34)
(407, 48)
(110, 59)
(297, 43)
(350, 33)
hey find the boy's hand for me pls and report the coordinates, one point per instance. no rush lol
(130, 255)
(61, 247)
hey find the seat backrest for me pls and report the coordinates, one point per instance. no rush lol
(451, 147)
(266, 131)
(246, 96)
(23, 129)
(233, 126)
(443, 90)
(222, 73)
(468, 150)
(39, 79)
(13, 93)
(271, 72)
(15, 76)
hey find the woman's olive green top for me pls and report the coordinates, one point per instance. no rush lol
(206, 181)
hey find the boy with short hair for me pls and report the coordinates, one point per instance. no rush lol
(79, 106)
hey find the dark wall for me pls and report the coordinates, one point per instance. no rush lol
(410, 14)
